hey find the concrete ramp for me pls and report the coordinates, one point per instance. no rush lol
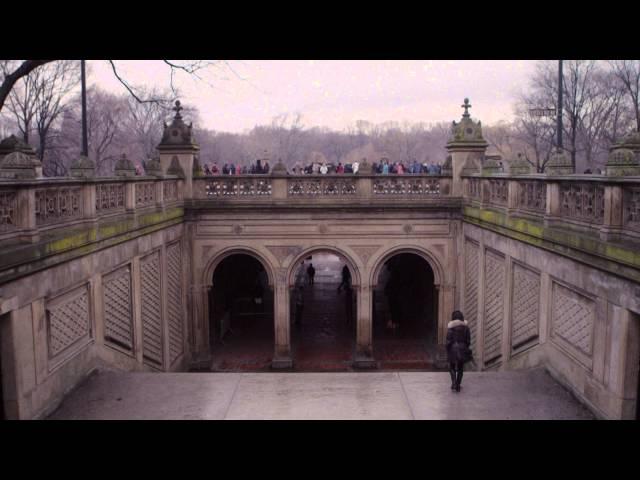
(522, 395)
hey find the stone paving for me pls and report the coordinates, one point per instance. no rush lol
(522, 395)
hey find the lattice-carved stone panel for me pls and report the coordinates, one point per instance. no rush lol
(583, 201)
(145, 193)
(631, 203)
(118, 316)
(406, 186)
(170, 190)
(68, 320)
(8, 210)
(533, 196)
(498, 192)
(494, 287)
(58, 205)
(573, 317)
(152, 351)
(174, 300)
(525, 307)
(109, 197)
(472, 275)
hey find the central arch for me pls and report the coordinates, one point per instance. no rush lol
(323, 313)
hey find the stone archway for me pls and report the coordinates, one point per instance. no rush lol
(238, 310)
(442, 298)
(322, 317)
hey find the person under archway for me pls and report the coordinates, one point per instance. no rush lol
(311, 273)
(346, 279)
(458, 347)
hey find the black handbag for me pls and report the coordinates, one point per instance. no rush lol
(468, 355)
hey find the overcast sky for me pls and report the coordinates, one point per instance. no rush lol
(335, 93)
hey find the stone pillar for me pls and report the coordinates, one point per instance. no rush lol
(553, 203)
(178, 150)
(466, 144)
(26, 214)
(136, 291)
(364, 327)
(89, 200)
(282, 351)
(621, 364)
(202, 349)
(613, 212)
(513, 191)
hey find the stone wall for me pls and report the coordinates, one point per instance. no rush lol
(529, 306)
(122, 307)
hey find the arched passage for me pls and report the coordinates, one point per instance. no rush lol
(405, 307)
(241, 321)
(323, 310)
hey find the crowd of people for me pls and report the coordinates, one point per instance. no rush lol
(258, 168)
(383, 167)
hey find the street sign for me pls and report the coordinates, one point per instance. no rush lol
(542, 112)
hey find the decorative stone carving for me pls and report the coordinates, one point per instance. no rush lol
(472, 165)
(525, 307)
(196, 169)
(323, 228)
(18, 159)
(170, 190)
(472, 270)
(145, 194)
(279, 168)
(365, 168)
(125, 167)
(622, 161)
(237, 229)
(494, 306)
(282, 252)
(407, 228)
(178, 133)
(492, 164)
(519, 166)
(406, 186)
(365, 251)
(109, 197)
(582, 201)
(631, 206)
(559, 164)
(174, 301)
(243, 186)
(573, 317)
(152, 167)
(8, 210)
(83, 167)
(175, 168)
(55, 205)
(447, 166)
(151, 300)
(68, 319)
(466, 130)
(533, 196)
(118, 316)
(498, 192)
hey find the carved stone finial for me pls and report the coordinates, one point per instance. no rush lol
(466, 107)
(177, 109)
(125, 167)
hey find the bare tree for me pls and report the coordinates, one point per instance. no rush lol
(13, 70)
(628, 74)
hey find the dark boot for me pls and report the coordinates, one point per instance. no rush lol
(459, 379)
(453, 378)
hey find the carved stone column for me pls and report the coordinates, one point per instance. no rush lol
(282, 351)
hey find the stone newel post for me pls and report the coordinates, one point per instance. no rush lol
(178, 150)
(466, 147)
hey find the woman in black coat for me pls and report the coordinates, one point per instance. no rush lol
(458, 351)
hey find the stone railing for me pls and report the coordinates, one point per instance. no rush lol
(31, 207)
(607, 206)
(322, 188)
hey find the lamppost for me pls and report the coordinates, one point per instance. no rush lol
(85, 143)
(559, 125)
